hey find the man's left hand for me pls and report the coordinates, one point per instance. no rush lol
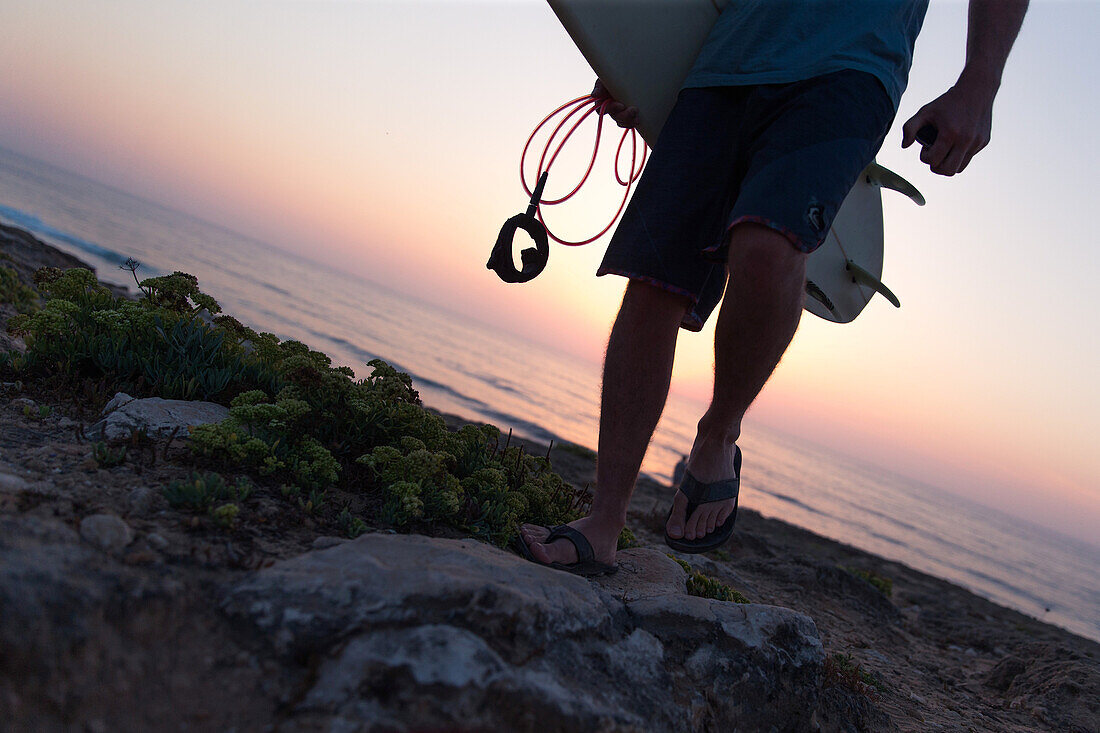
(962, 116)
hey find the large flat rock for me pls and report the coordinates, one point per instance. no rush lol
(410, 633)
(310, 602)
(159, 418)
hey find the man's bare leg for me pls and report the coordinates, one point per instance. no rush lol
(637, 373)
(758, 318)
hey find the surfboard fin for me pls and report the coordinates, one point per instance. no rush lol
(819, 295)
(861, 276)
(878, 175)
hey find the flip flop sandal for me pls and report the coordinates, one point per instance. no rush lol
(586, 564)
(699, 493)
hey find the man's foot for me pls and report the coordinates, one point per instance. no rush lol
(708, 462)
(604, 540)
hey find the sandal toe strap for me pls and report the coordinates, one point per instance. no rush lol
(698, 492)
(565, 532)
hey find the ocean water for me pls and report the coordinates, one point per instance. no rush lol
(466, 367)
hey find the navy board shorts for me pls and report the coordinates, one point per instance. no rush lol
(781, 155)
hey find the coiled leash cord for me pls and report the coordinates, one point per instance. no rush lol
(534, 258)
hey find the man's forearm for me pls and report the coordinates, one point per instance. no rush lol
(992, 27)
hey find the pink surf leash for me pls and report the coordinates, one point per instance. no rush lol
(533, 221)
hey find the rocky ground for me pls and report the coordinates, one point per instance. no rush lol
(118, 612)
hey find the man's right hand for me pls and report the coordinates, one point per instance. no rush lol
(624, 116)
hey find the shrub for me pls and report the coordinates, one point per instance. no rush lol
(626, 539)
(201, 490)
(882, 584)
(842, 671)
(465, 479)
(294, 418)
(178, 292)
(14, 292)
(707, 587)
(350, 525)
(105, 456)
(698, 584)
(153, 347)
(268, 437)
(225, 515)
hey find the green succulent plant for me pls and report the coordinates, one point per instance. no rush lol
(225, 515)
(143, 347)
(200, 491)
(106, 457)
(14, 292)
(698, 584)
(881, 583)
(295, 420)
(351, 525)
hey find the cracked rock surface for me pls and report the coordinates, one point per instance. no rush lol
(500, 643)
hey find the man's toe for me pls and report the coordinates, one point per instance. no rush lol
(538, 550)
(675, 526)
(532, 533)
(693, 528)
(675, 529)
(727, 510)
(559, 551)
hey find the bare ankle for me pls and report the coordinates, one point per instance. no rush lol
(610, 520)
(713, 432)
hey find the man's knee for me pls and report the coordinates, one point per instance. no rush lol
(644, 296)
(763, 254)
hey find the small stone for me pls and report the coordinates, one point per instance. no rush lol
(876, 655)
(971, 652)
(143, 500)
(157, 541)
(10, 483)
(23, 403)
(67, 422)
(106, 531)
(325, 541)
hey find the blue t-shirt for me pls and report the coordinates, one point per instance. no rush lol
(781, 41)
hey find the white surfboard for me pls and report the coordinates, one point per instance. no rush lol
(642, 52)
(845, 272)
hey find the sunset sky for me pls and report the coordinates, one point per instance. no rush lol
(384, 138)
